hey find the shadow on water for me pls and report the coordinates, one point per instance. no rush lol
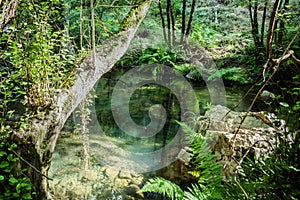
(103, 181)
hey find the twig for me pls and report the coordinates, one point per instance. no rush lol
(246, 195)
(276, 67)
(240, 162)
(238, 104)
(30, 165)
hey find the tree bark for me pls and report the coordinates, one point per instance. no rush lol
(183, 21)
(272, 25)
(263, 24)
(162, 21)
(8, 9)
(168, 8)
(173, 25)
(38, 140)
(189, 25)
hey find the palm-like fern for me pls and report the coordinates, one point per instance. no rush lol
(207, 170)
(164, 187)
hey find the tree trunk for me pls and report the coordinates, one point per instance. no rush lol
(263, 24)
(168, 8)
(189, 25)
(162, 21)
(183, 22)
(173, 25)
(8, 9)
(37, 142)
(272, 25)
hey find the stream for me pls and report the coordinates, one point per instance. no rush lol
(120, 163)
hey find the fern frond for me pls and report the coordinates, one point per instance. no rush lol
(164, 187)
(208, 171)
(196, 174)
(196, 193)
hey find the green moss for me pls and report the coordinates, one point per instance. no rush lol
(133, 17)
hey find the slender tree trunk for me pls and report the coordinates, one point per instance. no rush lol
(254, 24)
(81, 25)
(168, 8)
(38, 140)
(272, 26)
(93, 27)
(189, 25)
(162, 21)
(263, 24)
(173, 25)
(183, 22)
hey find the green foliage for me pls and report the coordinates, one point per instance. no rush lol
(235, 74)
(35, 61)
(164, 187)
(13, 185)
(107, 20)
(161, 56)
(276, 177)
(41, 59)
(154, 55)
(184, 69)
(206, 170)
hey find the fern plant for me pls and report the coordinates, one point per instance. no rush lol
(163, 187)
(207, 170)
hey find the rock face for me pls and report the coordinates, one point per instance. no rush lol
(257, 134)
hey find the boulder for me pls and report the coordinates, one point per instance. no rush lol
(111, 173)
(121, 183)
(257, 136)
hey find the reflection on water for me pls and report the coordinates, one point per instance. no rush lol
(103, 181)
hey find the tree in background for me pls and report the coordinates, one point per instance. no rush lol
(173, 9)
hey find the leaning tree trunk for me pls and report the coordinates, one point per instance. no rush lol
(37, 142)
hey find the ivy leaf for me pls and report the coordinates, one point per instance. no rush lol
(4, 164)
(13, 180)
(284, 104)
(2, 153)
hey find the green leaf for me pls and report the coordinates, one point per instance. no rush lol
(13, 180)
(4, 164)
(26, 196)
(1, 178)
(2, 153)
(284, 104)
(164, 187)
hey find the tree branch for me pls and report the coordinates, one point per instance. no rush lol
(105, 58)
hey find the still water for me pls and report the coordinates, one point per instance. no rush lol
(119, 162)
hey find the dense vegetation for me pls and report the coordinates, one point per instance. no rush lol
(252, 42)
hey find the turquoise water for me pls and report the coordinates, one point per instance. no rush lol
(112, 147)
(141, 101)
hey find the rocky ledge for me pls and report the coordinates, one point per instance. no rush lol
(232, 141)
